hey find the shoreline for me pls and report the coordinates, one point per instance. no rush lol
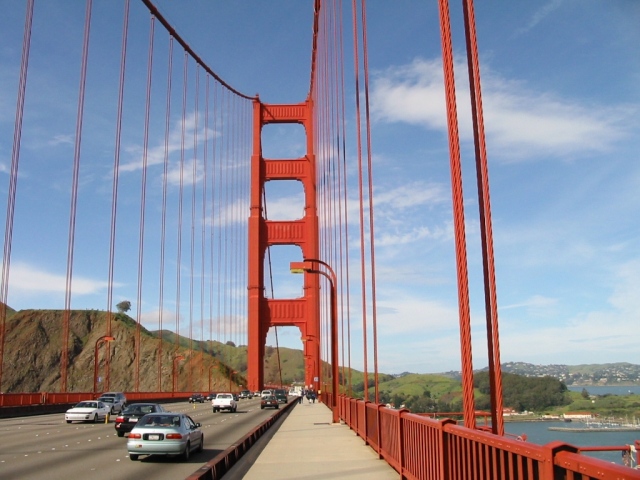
(594, 429)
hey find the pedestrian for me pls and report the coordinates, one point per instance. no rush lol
(300, 398)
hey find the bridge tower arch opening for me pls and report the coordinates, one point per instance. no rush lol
(264, 312)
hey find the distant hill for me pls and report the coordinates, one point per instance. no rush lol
(32, 356)
(33, 346)
(622, 373)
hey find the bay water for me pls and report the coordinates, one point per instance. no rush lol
(539, 433)
(608, 389)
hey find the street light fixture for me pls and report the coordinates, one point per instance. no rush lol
(176, 359)
(106, 339)
(308, 266)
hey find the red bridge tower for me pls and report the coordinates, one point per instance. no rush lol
(264, 313)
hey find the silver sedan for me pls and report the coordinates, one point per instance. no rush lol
(165, 434)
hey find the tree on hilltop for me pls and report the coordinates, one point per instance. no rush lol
(124, 306)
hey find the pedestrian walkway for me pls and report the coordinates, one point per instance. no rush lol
(308, 446)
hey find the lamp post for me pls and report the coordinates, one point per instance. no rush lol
(230, 377)
(106, 339)
(308, 267)
(210, 375)
(176, 359)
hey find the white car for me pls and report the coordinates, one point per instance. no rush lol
(88, 411)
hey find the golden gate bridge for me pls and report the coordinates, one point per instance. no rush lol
(194, 218)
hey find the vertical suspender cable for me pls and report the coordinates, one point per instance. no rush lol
(360, 199)
(203, 221)
(215, 221)
(220, 326)
(482, 171)
(193, 221)
(224, 220)
(74, 192)
(165, 175)
(234, 224)
(365, 57)
(337, 191)
(180, 199)
(344, 274)
(11, 197)
(143, 193)
(458, 211)
(116, 167)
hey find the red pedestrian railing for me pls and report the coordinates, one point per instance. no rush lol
(52, 399)
(422, 448)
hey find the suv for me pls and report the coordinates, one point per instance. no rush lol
(116, 400)
(196, 397)
(246, 394)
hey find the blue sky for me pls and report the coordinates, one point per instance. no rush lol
(561, 103)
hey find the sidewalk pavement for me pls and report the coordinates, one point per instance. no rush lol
(308, 446)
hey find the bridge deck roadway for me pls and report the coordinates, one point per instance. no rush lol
(308, 446)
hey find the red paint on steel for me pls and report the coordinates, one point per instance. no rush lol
(13, 178)
(116, 166)
(143, 197)
(458, 212)
(363, 275)
(482, 171)
(441, 449)
(372, 258)
(163, 230)
(263, 233)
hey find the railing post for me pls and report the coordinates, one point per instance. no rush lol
(365, 428)
(378, 428)
(547, 470)
(444, 448)
(401, 412)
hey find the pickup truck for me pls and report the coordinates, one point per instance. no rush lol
(224, 401)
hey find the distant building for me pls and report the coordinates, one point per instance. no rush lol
(577, 415)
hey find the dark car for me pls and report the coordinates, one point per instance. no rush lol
(281, 395)
(211, 396)
(129, 417)
(196, 397)
(269, 401)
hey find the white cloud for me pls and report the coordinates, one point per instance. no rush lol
(541, 13)
(536, 301)
(61, 139)
(413, 194)
(400, 313)
(26, 278)
(286, 208)
(520, 123)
